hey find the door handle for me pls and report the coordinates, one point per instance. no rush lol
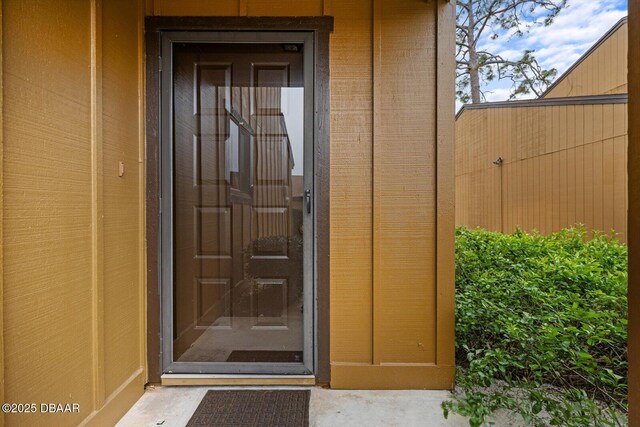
(307, 200)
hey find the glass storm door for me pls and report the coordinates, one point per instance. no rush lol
(237, 229)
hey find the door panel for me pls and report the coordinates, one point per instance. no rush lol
(238, 220)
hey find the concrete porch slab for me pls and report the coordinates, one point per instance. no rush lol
(173, 407)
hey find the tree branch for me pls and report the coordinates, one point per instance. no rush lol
(475, 67)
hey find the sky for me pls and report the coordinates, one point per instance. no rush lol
(559, 45)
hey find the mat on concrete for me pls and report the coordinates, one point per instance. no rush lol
(247, 408)
(246, 356)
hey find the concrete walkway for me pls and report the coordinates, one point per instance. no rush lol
(173, 407)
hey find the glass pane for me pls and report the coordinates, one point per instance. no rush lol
(238, 207)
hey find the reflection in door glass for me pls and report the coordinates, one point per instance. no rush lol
(238, 204)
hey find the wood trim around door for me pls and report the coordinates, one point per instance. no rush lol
(321, 28)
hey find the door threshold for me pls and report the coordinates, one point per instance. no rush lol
(237, 380)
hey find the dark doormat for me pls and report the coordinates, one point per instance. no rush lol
(265, 356)
(247, 408)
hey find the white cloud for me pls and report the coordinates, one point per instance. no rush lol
(559, 45)
(574, 30)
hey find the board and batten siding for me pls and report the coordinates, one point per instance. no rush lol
(391, 234)
(73, 229)
(73, 265)
(563, 165)
(601, 70)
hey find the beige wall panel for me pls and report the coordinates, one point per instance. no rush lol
(69, 317)
(404, 182)
(571, 186)
(120, 194)
(570, 126)
(238, 8)
(506, 191)
(563, 182)
(579, 125)
(287, 8)
(509, 184)
(598, 185)
(548, 134)
(589, 204)
(588, 124)
(619, 185)
(608, 189)
(560, 128)
(477, 182)
(497, 200)
(196, 7)
(540, 193)
(598, 123)
(47, 244)
(531, 205)
(351, 183)
(619, 120)
(549, 194)
(563, 173)
(505, 118)
(461, 209)
(555, 129)
(603, 71)
(579, 195)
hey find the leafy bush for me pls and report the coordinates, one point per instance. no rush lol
(541, 327)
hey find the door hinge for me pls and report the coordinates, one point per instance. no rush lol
(160, 63)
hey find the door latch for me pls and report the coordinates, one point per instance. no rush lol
(307, 200)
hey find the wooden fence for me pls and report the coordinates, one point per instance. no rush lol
(544, 164)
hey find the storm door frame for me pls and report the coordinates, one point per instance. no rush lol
(167, 173)
(321, 28)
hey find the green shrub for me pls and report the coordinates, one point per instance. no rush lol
(541, 327)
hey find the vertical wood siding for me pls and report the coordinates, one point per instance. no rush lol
(634, 214)
(352, 182)
(404, 183)
(384, 79)
(603, 71)
(72, 267)
(122, 227)
(563, 165)
(2, 381)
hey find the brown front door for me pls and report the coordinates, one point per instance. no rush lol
(239, 204)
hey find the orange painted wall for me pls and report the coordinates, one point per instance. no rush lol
(72, 270)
